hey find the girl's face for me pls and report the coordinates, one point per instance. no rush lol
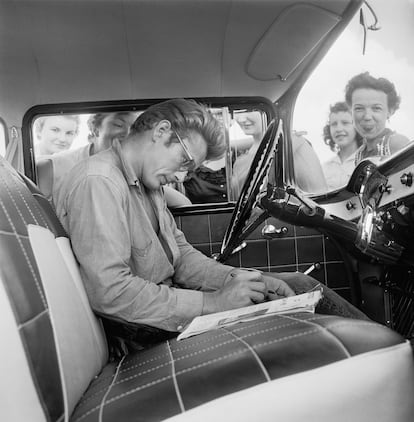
(342, 128)
(57, 134)
(251, 122)
(370, 111)
(114, 125)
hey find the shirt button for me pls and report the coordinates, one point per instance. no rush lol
(222, 186)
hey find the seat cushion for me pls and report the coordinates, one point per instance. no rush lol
(174, 377)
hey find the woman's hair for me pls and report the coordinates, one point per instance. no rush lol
(185, 116)
(336, 108)
(40, 121)
(94, 122)
(365, 80)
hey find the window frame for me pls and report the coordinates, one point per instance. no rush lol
(233, 103)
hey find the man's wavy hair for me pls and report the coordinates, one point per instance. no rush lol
(366, 81)
(336, 108)
(185, 116)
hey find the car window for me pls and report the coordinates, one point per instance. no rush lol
(337, 135)
(62, 140)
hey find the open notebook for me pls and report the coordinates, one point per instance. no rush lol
(305, 302)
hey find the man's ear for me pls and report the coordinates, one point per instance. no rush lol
(162, 131)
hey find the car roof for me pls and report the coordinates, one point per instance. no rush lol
(93, 50)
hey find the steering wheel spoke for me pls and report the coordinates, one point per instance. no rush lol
(248, 213)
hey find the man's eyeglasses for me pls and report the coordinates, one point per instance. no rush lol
(189, 163)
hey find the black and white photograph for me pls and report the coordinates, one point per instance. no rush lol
(207, 210)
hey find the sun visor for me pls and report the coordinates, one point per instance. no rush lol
(289, 40)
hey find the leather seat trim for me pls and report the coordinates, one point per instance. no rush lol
(375, 386)
(221, 362)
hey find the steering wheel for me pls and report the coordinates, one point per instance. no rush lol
(247, 215)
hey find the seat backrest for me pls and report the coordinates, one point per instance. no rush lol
(52, 170)
(53, 345)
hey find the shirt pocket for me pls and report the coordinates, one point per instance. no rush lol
(141, 247)
(142, 259)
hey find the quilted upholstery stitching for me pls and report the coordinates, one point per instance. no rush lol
(35, 204)
(147, 371)
(203, 364)
(40, 211)
(239, 327)
(158, 367)
(14, 203)
(34, 319)
(255, 355)
(24, 253)
(243, 327)
(195, 353)
(101, 406)
(335, 337)
(122, 395)
(264, 321)
(175, 381)
(209, 340)
(148, 360)
(8, 233)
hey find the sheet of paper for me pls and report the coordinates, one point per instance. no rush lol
(305, 302)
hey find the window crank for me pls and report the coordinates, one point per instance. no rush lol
(315, 266)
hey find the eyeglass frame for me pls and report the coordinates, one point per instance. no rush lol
(190, 158)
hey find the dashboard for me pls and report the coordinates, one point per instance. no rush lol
(374, 213)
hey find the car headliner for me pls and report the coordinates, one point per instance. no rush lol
(91, 50)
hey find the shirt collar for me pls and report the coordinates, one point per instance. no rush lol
(380, 137)
(126, 167)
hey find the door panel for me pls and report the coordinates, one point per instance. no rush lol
(297, 250)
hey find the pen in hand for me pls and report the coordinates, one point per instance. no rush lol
(253, 270)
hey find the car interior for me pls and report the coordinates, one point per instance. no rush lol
(245, 60)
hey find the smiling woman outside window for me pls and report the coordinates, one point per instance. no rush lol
(386, 55)
(55, 134)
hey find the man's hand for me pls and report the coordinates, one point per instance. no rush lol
(276, 288)
(244, 288)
